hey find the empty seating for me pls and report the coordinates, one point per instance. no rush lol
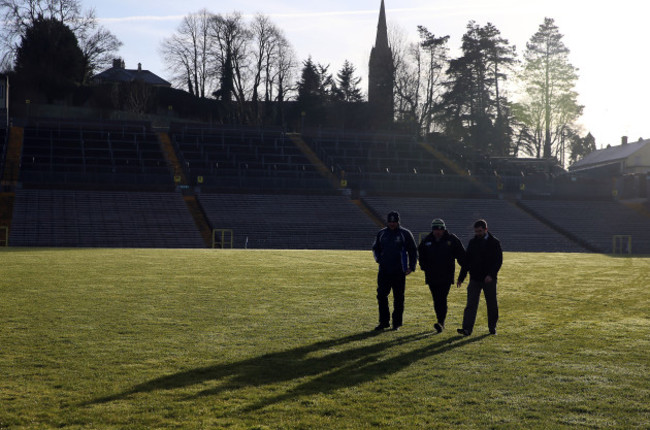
(517, 230)
(104, 152)
(239, 157)
(290, 221)
(596, 221)
(102, 219)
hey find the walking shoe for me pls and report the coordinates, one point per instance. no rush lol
(396, 327)
(493, 331)
(463, 332)
(439, 327)
(381, 327)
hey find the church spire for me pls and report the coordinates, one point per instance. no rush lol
(382, 28)
(380, 77)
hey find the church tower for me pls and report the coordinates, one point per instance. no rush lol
(381, 76)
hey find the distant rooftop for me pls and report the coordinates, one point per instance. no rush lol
(609, 155)
(118, 73)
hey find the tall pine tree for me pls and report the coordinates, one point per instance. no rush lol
(549, 80)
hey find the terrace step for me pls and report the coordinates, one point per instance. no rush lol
(200, 219)
(313, 158)
(171, 157)
(14, 151)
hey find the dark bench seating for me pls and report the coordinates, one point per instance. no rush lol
(290, 221)
(517, 230)
(102, 219)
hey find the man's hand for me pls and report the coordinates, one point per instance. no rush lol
(488, 279)
(458, 284)
(408, 272)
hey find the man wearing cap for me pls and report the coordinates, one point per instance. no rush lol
(438, 253)
(483, 261)
(395, 251)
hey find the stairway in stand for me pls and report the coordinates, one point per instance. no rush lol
(6, 211)
(313, 158)
(12, 163)
(200, 219)
(172, 159)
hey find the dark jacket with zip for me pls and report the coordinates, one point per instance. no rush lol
(483, 257)
(438, 258)
(395, 251)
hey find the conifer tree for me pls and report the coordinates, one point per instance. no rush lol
(549, 80)
(348, 84)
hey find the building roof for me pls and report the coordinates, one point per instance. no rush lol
(118, 73)
(609, 155)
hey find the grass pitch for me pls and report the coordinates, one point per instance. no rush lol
(244, 339)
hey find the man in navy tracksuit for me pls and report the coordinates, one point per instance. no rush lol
(438, 253)
(395, 251)
(483, 260)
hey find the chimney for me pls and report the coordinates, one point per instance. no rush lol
(139, 67)
(117, 63)
(624, 140)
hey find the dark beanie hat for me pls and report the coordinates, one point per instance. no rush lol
(393, 216)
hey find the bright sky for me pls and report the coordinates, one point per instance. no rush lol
(608, 40)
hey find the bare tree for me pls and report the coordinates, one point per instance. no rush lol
(188, 54)
(231, 39)
(178, 60)
(283, 77)
(96, 42)
(419, 71)
(263, 38)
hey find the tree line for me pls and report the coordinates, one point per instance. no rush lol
(488, 100)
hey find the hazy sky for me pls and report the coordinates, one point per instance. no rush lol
(608, 40)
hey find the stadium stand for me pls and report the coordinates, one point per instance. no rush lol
(518, 231)
(106, 152)
(102, 219)
(227, 158)
(290, 221)
(377, 162)
(386, 163)
(275, 192)
(3, 149)
(595, 222)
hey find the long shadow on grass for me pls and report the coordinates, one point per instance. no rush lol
(266, 369)
(332, 370)
(360, 369)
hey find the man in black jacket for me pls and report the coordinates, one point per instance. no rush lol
(395, 251)
(483, 260)
(438, 253)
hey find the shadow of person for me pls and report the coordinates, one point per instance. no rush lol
(364, 369)
(270, 368)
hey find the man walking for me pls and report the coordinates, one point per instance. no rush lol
(395, 251)
(483, 261)
(438, 253)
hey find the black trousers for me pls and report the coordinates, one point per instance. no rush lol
(386, 283)
(439, 293)
(473, 296)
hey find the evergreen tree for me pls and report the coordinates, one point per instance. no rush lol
(309, 86)
(226, 89)
(549, 80)
(579, 147)
(49, 59)
(348, 84)
(474, 110)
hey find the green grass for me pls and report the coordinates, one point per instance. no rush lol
(243, 339)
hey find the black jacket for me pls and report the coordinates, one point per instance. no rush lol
(395, 251)
(483, 257)
(438, 258)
